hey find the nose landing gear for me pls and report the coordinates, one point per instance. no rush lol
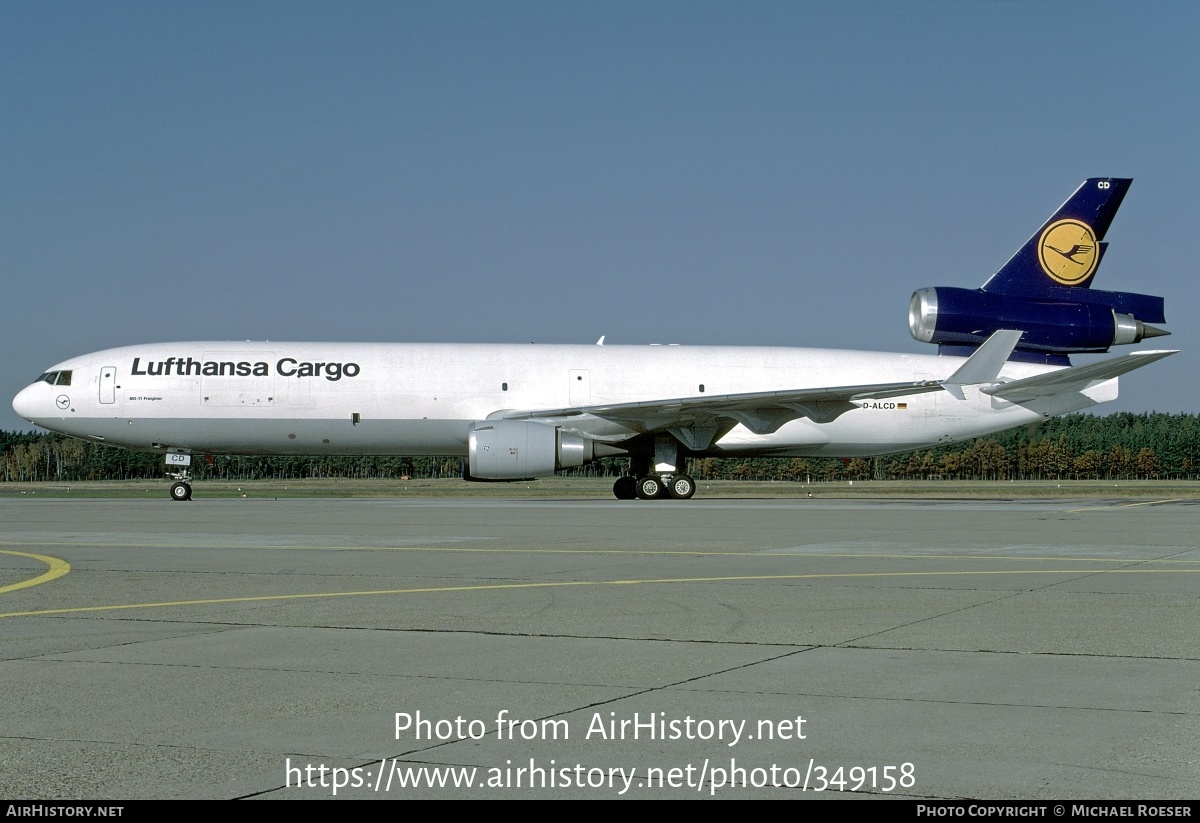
(177, 470)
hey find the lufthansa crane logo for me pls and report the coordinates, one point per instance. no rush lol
(1068, 252)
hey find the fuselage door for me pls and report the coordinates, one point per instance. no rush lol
(108, 384)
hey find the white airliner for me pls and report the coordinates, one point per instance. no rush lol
(523, 411)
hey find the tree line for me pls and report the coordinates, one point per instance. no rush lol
(1124, 446)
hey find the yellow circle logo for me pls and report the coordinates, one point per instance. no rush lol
(1068, 252)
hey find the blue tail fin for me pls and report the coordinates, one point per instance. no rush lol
(1066, 251)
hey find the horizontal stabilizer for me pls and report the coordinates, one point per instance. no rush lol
(1077, 378)
(985, 364)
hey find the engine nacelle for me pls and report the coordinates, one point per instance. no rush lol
(522, 450)
(968, 317)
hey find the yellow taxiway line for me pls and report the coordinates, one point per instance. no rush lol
(567, 583)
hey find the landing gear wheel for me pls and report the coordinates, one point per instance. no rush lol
(650, 487)
(625, 488)
(681, 487)
(181, 491)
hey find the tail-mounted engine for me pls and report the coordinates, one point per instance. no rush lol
(966, 317)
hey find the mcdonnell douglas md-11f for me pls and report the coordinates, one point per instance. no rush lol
(516, 412)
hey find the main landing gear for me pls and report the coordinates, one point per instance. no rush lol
(654, 487)
(655, 474)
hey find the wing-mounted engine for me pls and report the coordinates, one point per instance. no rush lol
(522, 450)
(1044, 291)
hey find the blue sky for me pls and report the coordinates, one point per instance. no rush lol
(702, 173)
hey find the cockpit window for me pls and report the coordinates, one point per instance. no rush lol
(56, 378)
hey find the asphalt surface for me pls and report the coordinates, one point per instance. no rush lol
(599, 649)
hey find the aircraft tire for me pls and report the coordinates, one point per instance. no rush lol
(650, 487)
(625, 488)
(681, 487)
(181, 491)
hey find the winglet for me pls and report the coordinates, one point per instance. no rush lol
(985, 364)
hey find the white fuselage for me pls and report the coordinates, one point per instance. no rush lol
(420, 399)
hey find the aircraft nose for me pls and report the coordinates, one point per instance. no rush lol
(26, 402)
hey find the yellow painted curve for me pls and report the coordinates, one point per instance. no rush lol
(58, 568)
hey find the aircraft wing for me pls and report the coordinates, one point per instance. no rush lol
(1076, 378)
(697, 420)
